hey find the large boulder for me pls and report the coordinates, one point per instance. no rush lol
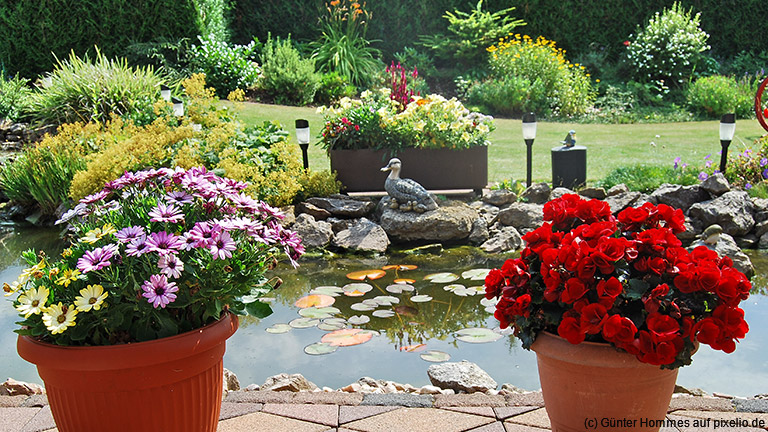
(537, 193)
(314, 234)
(499, 197)
(678, 196)
(451, 221)
(343, 207)
(479, 232)
(362, 236)
(286, 382)
(716, 184)
(505, 239)
(733, 211)
(620, 201)
(461, 377)
(522, 216)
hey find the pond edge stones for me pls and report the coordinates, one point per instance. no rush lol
(464, 376)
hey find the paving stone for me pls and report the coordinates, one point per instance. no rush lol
(419, 420)
(260, 397)
(726, 416)
(474, 399)
(12, 419)
(263, 422)
(514, 427)
(12, 401)
(232, 409)
(324, 414)
(43, 420)
(351, 413)
(504, 413)
(700, 404)
(35, 401)
(704, 427)
(537, 418)
(328, 398)
(474, 410)
(493, 427)
(751, 405)
(399, 399)
(525, 399)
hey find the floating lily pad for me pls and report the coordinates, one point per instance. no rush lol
(401, 267)
(384, 313)
(320, 348)
(453, 287)
(366, 274)
(406, 310)
(477, 335)
(315, 300)
(359, 319)
(441, 277)
(422, 298)
(278, 328)
(414, 348)
(398, 288)
(362, 307)
(386, 300)
(304, 322)
(315, 312)
(356, 289)
(324, 326)
(435, 356)
(370, 302)
(479, 289)
(404, 281)
(340, 321)
(460, 290)
(329, 290)
(347, 337)
(476, 274)
(370, 332)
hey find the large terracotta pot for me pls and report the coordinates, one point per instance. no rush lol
(592, 386)
(169, 384)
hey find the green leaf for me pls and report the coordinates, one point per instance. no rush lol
(636, 288)
(258, 309)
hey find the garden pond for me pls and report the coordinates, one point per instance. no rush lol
(396, 333)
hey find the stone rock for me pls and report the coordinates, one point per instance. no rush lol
(619, 202)
(314, 234)
(313, 210)
(499, 197)
(486, 211)
(506, 239)
(479, 232)
(231, 383)
(760, 228)
(559, 191)
(12, 387)
(339, 225)
(463, 376)
(252, 387)
(761, 209)
(716, 184)
(430, 389)
(522, 215)
(732, 210)
(618, 189)
(680, 197)
(693, 392)
(450, 222)
(362, 236)
(690, 234)
(343, 208)
(726, 246)
(286, 382)
(749, 241)
(537, 193)
(289, 216)
(593, 192)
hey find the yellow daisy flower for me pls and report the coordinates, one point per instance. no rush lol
(58, 317)
(67, 277)
(90, 297)
(33, 301)
(10, 289)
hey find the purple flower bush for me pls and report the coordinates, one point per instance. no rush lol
(154, 254)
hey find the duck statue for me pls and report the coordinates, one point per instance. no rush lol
(406, 194)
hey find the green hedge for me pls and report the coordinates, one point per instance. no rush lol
(32, 31)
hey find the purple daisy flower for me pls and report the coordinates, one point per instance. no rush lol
(90, 199)
(171, 266)
(189, 241)
(268, 210)
(137, 247)
(96, 259)
(166, 213)
(203, 233)
(179, 197)
(129, 234)
(158, 291)
(222, 246)
(164, 243)
(245, 202)
(78, 210)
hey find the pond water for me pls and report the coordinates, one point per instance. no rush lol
(428, 320)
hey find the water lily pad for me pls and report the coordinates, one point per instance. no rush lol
(384, 313)
(435, 356)
(359, 319)
(460, 290)
(370, 302)
(315, 312)
(404, 281)
(479, 289)
(339, 321)
(401, 267)
(304, 322)
(398, 288)
(320, 348)
(278, 328)
(386, 300)
(347, 337)
(366, 274)
(356, 289)
(441, 277)
(324, 326)
(329, 290)
(315, 300)
(370, 332)
(476, 274)
(362, 307)
(453, 287)
(477, 335)
(422, 298)
(406, 310)
(414, 348)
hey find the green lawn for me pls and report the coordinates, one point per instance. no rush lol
(608, 146)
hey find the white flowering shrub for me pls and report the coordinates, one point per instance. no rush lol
(669, 47)
(226, 67)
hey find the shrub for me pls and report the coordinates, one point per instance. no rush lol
(716, 95)
(648, 178)
(286, 77)
(748, 62)
(79, 90)
(14, 98)
(332, 87)
(669, 48)
(226, 67)
(172, 55)
(510, 95)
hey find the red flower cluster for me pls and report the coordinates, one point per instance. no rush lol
(625, 280)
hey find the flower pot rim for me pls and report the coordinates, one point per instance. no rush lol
(601, 354)
(115, 356)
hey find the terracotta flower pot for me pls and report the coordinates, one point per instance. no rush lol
(169, 384)
(592, 386)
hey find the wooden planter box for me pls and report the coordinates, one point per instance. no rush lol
(435, 169)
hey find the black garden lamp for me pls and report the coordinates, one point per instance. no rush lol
(727, 130)
(529, 134)
(178, 107)
(165, 93)
(302, 136)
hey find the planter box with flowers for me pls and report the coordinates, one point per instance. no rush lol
(612, 306)
(138, 309)
(441, 144)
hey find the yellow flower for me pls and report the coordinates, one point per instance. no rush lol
(66, 252)
(90, 297)
(58, 317)
(35, 269)
(33, 301)
(53, 272)
(108, 229)
(97, 234)
(67, 277)
(10, 289)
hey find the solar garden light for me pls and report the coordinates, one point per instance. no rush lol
(178, 107)
(302, 136)
(529, 134)
(165, 92)
(727, 129)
